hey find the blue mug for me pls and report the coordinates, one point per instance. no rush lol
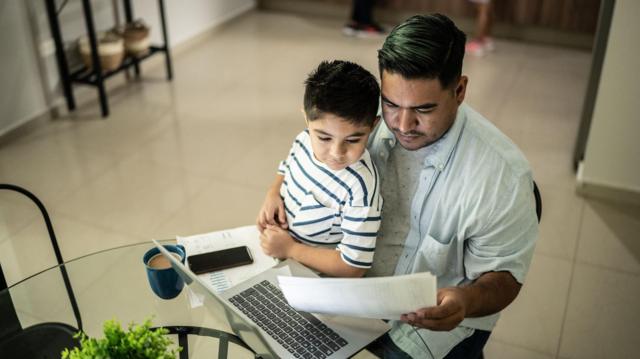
(163, 279)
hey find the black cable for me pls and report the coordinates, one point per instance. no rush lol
(423, 342)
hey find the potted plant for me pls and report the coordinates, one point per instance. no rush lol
(138, 342)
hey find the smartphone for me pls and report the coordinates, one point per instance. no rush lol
(219, 260)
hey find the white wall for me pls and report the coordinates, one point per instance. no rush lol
(612, 157)
(21, 94)
(29, 80)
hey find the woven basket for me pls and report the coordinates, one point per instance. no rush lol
(136, 37)
(110, 50)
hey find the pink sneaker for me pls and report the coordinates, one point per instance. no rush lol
(489, 45)
(372, 30)
(475, 48)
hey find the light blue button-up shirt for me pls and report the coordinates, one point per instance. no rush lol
(473, 212)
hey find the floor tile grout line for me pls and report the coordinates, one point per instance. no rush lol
(512, 84)
(520, 346)
(607, 268)
(187, 202)
(571, 276)
(57, 213)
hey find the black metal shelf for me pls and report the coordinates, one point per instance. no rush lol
(89, 77)
(95, 76)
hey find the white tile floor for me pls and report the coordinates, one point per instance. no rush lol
(196, 155)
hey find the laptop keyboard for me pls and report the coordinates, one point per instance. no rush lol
(301, 333)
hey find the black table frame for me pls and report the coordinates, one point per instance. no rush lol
(223, 337)
(95, 76)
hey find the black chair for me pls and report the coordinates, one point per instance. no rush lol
(538, 197)
(44, 340)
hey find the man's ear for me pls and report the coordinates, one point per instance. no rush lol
(461, 89)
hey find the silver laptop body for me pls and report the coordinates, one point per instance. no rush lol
(260, 319)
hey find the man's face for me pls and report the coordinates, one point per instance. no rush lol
(419, 111)
(336, 142)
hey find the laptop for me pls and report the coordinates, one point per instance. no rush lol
(259, 314)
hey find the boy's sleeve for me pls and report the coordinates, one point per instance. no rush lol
(360, 224)
(360, 227)
(284, 164)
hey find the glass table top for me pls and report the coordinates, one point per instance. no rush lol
(112, 284)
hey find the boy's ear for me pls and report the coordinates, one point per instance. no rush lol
(375, 122)
(304, 114)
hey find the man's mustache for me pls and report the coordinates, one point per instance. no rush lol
(410, 133)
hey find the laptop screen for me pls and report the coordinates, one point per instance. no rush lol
(218, 307)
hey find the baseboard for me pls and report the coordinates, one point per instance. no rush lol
(214, 27)
(22, 128)
(84, 94)
(533, 34)
(607, 192)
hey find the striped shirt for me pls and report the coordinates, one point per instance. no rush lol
(328, 208)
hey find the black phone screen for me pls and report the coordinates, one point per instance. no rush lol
(219, 260)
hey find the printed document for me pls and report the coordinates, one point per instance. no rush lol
(208, 242)
(378, 298)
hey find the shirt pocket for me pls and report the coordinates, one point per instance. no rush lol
(313, 220)
(437, 257)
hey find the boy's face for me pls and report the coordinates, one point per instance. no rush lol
(336, 142)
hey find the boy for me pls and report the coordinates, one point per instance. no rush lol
(323, 210)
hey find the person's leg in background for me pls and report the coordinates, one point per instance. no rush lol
(482, 41)
(361, 23)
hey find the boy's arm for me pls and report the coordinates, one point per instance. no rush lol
(278, 243)
(272, 210)
(325, 260)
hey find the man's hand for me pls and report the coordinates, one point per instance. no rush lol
(272, 212)
(446, 315)
(489, 294)
(276, 242)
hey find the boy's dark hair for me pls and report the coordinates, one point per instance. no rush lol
(344, 89)
(424, 47)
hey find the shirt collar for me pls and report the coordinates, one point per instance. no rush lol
(444, 147)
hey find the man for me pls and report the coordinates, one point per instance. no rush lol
(458, 196)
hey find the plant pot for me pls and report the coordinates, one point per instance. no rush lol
(110, 50)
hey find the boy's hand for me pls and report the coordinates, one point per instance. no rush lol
(276, 242)
(272, 212)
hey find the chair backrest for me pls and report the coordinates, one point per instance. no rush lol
(8, 317)
(538, 197)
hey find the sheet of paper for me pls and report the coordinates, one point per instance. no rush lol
(207, 242)
(379, 298)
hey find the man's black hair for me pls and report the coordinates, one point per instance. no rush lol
(424, 47)
(344, 89)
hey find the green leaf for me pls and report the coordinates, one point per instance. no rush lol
(138, 342)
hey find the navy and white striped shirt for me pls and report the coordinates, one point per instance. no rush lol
(332, 208)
